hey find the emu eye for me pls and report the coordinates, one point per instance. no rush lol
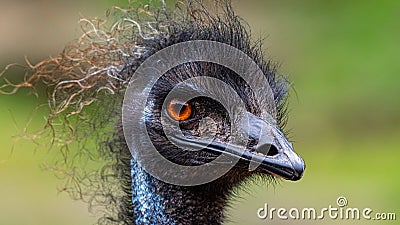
(179, 110)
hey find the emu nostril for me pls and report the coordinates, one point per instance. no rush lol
(267, 149)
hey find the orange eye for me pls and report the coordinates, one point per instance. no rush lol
(179, 110)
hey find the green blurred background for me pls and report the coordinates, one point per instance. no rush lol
(343, 57)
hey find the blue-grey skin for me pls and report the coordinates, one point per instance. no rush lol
(148, 203)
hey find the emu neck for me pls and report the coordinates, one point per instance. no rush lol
(156, 202)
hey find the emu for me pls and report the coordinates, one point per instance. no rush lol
(86, 85)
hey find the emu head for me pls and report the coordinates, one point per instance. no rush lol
(228, 103)
(203, 113)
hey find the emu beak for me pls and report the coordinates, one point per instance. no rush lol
(273, 153)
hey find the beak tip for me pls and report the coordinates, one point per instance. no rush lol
(298, 169)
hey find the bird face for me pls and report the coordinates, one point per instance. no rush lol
(194, 131)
